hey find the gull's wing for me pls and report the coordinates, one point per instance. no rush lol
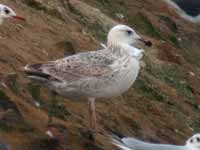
(73, 68)
(120, 144)
(135, 144)
(128, 143)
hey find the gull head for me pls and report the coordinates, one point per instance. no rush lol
(193, 143)
(122, 34)
(7, 12)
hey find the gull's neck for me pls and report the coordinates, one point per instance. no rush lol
(126, 49)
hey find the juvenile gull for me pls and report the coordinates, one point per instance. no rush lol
(128, 143)
(95, 74)
(6, 12)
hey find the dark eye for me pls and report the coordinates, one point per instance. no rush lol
(6, 11)
(198, 139)
(191, 141)
(129, 32)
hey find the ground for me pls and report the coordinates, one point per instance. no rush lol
(162, 106)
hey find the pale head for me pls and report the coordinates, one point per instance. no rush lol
(7, 12)
(122, 34)
(193, 143)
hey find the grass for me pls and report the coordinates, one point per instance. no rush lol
(5, 102)
(38, 6)
(145, 25)
(4, 127)
(34, 4)
(104, 2)
(94, 28)
(59, 110)
(14, 85)
(34, 90)
(149, 90)
(174, 40)
(170, 23)
(181, 87)
(87, 137)
(172, 75)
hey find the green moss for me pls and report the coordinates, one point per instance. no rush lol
(38, 6)
(174, 41)
(97, 31)
(87, 135)
(145, 25)
(59, 110)
(195, 125)
(34, 4)
(5, 101)
(170, 23)
(34, 90)
(55, 13)
(149, 91)
(104, 2)
(4, 127)
(48, 144)
(14, 84)
(181, 87)
(94, 28)
(172, 75)
(91, 146)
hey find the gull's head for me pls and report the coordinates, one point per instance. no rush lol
(193, 143)
(122, 34)
(7, 12)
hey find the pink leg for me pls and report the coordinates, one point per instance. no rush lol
(92, 113)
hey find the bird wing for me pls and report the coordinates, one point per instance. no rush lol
(135, 144)
(120, 144)
(73, 68)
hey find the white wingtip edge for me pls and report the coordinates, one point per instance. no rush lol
(120, 144)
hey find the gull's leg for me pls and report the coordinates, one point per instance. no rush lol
(92, 113)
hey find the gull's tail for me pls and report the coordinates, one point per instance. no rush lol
(40, 72)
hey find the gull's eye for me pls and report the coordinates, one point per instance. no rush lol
(6, 11)
(198, 139)
(129, 32)
(191, 141)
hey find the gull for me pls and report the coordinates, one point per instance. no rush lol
(6, 12)
(128, 143)
(94, 74)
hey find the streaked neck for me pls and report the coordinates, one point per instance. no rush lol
(126, 49)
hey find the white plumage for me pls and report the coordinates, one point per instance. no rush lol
(95, 74)
(128, 143)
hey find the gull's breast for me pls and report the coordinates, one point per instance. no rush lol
(116, 83)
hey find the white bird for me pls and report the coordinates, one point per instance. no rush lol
(6, 12)
(94, 74)
(128, 143)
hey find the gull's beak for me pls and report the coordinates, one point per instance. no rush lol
(146, 42)
(19, 18)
